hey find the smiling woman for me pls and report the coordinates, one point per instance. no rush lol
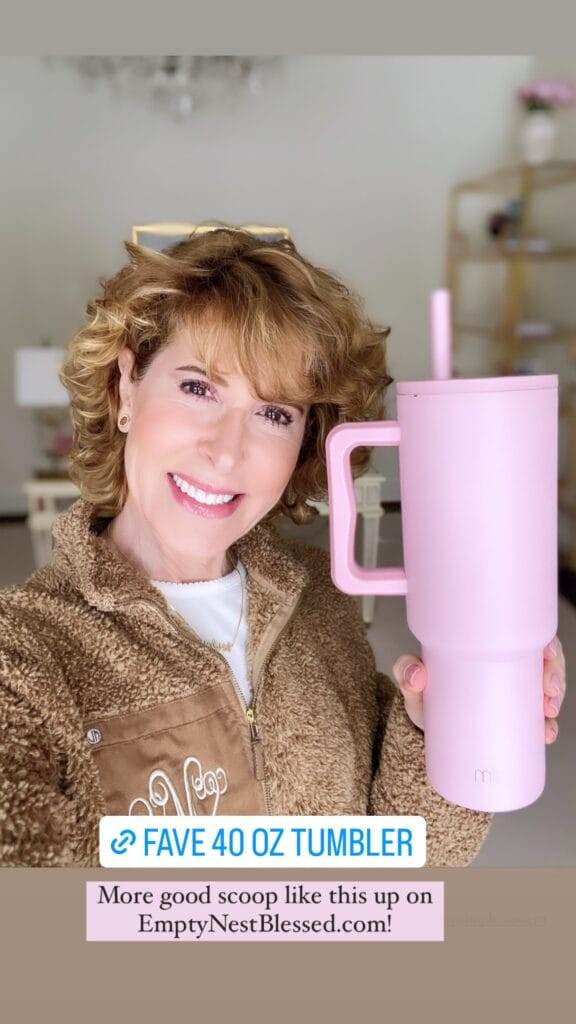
(226, 302)
(217, 452)
(176, 656)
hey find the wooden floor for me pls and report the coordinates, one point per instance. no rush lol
(542, 835)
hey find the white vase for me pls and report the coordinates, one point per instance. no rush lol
(538, 136)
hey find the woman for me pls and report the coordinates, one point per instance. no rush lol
(177, 655)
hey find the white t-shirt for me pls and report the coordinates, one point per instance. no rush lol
(212, 609)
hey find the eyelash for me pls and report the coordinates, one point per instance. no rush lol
(276, 408)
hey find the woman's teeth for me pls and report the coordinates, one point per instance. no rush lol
(198, 495)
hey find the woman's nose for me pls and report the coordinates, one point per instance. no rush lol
(225, 443)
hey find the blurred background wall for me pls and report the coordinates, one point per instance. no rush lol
(356, 155)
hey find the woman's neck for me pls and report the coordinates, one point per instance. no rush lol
(142, 546)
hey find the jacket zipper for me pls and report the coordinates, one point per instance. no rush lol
(256, 691)
(180, 625)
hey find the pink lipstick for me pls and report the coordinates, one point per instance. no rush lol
(216, 511)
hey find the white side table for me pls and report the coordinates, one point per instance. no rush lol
(368, 489)
(43, 497)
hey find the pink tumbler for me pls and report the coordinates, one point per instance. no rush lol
(478, 464)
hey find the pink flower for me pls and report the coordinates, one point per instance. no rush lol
(62, 442)
(548, 93)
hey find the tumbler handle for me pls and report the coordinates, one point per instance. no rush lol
(347, 575)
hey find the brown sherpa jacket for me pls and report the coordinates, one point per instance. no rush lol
(110, 704)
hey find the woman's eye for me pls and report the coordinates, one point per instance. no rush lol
(189, 387)
(280, 418)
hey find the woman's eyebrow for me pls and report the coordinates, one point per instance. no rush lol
(198, 369)
(193, 370)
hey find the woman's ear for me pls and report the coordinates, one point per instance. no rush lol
(126, 385)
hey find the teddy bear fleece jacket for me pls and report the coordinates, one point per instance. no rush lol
(111, 704)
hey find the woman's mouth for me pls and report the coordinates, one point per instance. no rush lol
(210, 504)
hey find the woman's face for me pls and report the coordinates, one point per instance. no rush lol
(193, 443)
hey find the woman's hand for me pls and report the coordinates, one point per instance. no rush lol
(410, 674)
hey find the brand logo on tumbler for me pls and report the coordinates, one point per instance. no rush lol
(485, 776)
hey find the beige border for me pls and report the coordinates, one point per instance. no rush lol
(508, 947)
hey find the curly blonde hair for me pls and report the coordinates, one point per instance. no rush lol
(293, 329)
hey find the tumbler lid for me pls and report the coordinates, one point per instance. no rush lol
(463, 385)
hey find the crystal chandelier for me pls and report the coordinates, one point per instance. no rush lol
(177, 85)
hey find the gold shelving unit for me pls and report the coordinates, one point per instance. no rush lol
(516, 255)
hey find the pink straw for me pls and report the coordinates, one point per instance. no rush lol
(440, 316)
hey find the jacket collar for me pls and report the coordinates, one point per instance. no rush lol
(109, 581)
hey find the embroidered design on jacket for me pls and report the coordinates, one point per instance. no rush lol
(161, 789)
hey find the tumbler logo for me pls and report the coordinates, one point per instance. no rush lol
(486, 777)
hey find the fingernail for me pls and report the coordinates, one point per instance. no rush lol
(553, 647)
(411, 673)
(555, 684)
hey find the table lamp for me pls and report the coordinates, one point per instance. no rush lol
(37, 386)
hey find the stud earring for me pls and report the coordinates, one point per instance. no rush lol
(123, 421)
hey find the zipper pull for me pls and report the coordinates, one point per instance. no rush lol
(256, 743)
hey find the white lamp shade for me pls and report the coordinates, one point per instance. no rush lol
(36, 380)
